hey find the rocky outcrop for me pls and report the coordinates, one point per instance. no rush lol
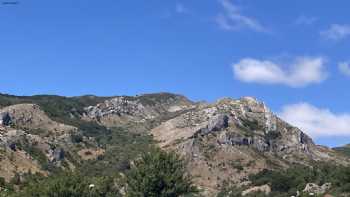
(235, 138)
(316, 189)
(263, 189)
(55, 154)
(13, 158)
(218, 122)
(5, 118)
(244, 122)
(139, 109)
(30, 117)
(30, 140)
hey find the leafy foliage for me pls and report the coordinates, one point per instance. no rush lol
(57, 107)
(69, 185)
(295, 178)
(155, 174)
(121, 147)
(159, 174)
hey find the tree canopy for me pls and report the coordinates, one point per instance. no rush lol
(159, 174)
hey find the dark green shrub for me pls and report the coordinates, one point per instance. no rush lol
(159, 174)
(69, 185)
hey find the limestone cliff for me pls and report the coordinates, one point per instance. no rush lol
(230, 139)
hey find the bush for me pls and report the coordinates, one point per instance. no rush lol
(159, 174)
(69, 185)
(296, 178)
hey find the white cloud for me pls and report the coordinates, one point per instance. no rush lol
(231, 19)
(336, 32)
(344, 67)
(316, 122)
(302, 72)
(181, 9)
(305, 20)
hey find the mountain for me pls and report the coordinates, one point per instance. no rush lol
(343, 150)
(223, 142)
(235, 138)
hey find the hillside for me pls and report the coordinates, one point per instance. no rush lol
(343, 150)
(224, 143)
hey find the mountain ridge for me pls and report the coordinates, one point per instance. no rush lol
(222, 142)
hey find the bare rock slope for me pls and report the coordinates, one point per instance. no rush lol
(31, 142)
(31, 117)
(122, 110)
(230, 139)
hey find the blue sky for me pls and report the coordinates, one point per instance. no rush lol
(293, 55)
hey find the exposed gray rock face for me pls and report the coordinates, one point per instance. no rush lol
(124, 109)
(316, 189)
(242, 122)
(31, 117)
(56, 155)
(118, 106)
(213, 137)
(215, 123)
(257, 142)
(266, 189)
(22, 143)
(218, 122)
(5, 119)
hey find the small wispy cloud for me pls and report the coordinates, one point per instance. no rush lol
(302, 72)
(305, 20)
(181, 8)
(344, 68)
(231, 19)
(336, 32)
(316, 122)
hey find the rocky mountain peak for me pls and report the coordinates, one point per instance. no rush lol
(139, 108)
(229, 130)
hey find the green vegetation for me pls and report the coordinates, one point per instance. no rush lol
(121, 147)
(159, 174)
(119, 143)
(154, 174)
(343, 150)
(56, 107)
(236, 165)
(69, 185)
(288, 182)
(251, 125)
(293, 179)
(154, 99)
(34, 152)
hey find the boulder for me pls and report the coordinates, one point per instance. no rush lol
(316, 189)
(218, 122)
(5, 119)
(326, 186)
(13, 146)
(264, 189)
(56, 155)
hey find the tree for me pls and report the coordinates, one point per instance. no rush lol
(159, 174)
